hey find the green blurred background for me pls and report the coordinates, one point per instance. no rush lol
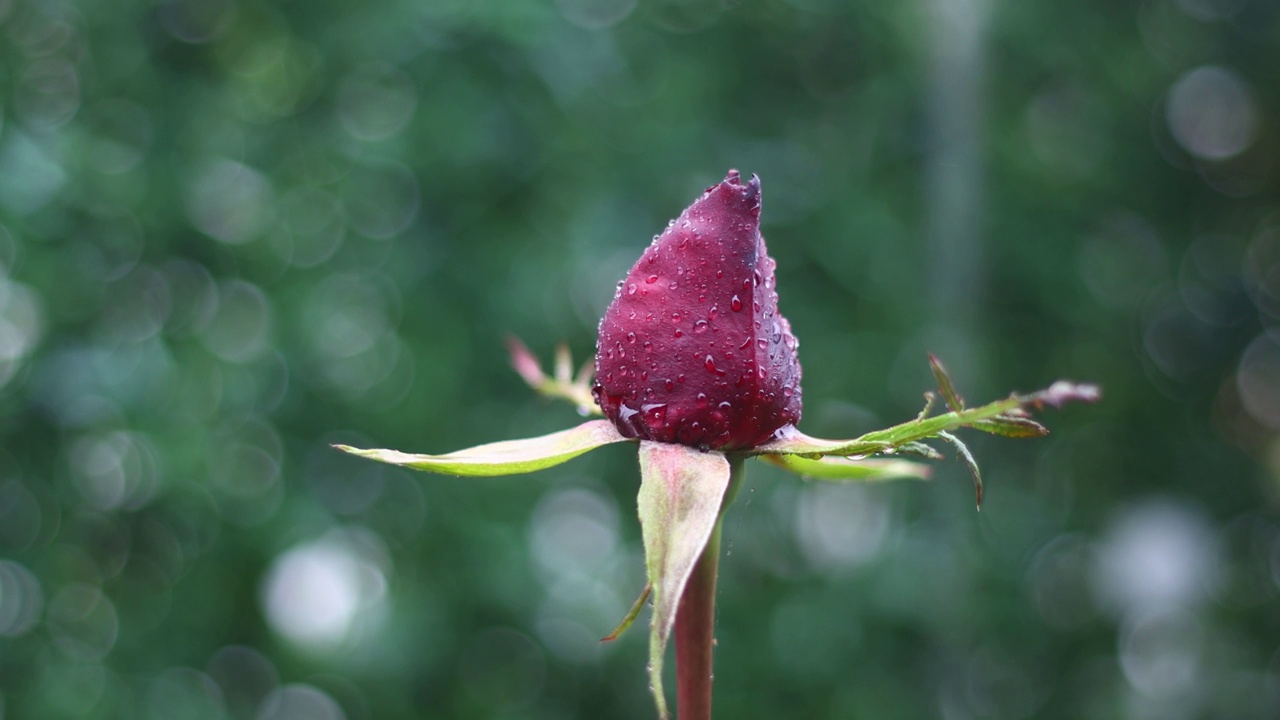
(233, 232)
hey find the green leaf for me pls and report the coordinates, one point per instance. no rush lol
(845, 469)
(681, 493)
(509, 457)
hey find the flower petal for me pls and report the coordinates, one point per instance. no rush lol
(845, 469)
(681, 492)
(509, 457)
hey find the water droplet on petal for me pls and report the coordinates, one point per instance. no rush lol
(651, 279)
(700, 326)
(654, 414)
(710, 365)
(735, 304)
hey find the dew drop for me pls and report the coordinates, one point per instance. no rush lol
(654, 414)
(648, 346)
(631, 289)
(675, 317)
(735, 304)
(710, 365)
(713, 312)
(679, 332)
(702, 399)
(673, 285)
(680, 377)
(669, 385)
(719, 273)
(651, 279)
(700, 326)
(631, 338)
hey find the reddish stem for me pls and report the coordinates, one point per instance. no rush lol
(696, 619)
(694, 635)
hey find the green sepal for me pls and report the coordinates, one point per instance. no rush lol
(841, 469)
(1011, 426)
(681, 493)
(631, 615)
(508, 457)
(1000, 414)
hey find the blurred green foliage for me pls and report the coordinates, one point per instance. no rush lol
(233, 232)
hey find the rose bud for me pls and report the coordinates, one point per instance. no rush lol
(692, 349)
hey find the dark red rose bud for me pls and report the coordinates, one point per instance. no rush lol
(693, 349)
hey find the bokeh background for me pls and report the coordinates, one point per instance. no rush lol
(233, 232)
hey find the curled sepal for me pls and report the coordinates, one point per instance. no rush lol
(841, 469)
(945, 386)
(631, 615)
(509, 457)
(681, 492)
(564, 384)
(963, 451)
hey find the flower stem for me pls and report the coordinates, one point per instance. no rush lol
(695, 618)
